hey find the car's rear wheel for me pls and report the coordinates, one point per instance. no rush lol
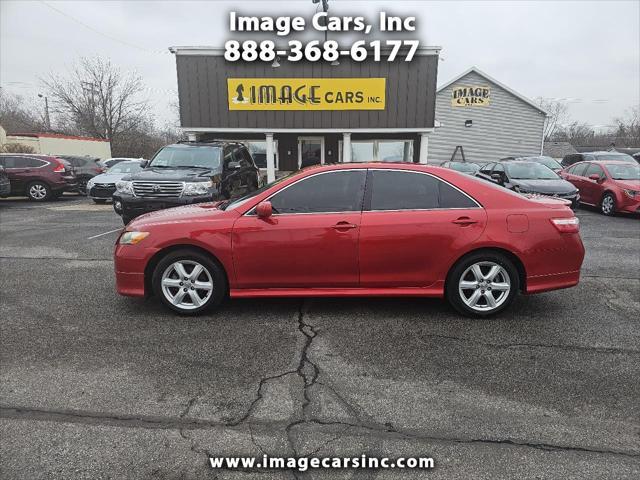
(38, 191)
(482, 284)
(189, 282)
(608, 204)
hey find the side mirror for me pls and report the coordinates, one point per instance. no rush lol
(144, 163)
(594, 176)
(264, 209)
(497, 177)
(234, 165)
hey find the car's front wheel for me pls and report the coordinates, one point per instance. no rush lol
(482, 284)
(608, 204)
(189, 282)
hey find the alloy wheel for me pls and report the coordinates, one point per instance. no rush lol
(186, 284)
(484, 286)
(38, 191)
(608, 205)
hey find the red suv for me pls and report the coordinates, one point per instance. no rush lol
(39, 177)
(614, 186)
(404, 230)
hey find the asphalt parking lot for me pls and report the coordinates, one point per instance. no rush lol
(94, 385)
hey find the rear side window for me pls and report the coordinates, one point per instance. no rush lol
(393, 190)
(487, 168)
(323, 193)
(27, 162)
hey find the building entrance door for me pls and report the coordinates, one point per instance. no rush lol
(310, 151)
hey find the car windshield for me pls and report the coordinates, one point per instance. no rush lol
(624, 171)
(180, 156)
(125, 167)
(242, 200)
(529, 171)
(464, 167)
(622, 157)
(546, 161)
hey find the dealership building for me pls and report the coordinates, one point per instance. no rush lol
(485, 119)
(293, 115)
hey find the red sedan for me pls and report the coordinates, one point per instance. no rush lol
(355, 230)
(613, 186)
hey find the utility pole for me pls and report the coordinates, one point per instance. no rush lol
(47, 120)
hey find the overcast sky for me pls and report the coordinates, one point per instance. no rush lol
(585, 51)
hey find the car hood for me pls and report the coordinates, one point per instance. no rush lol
(172, 174)
(185, 213)
(545, 186)
(628, 184)
(108, 177)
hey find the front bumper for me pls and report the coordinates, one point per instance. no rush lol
(628, 204)
(130, 206)
(101, 192)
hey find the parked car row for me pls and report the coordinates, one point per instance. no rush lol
(46, 177)
(608, 180)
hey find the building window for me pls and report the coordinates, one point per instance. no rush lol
(379, 151)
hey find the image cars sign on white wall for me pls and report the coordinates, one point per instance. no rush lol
(470, 96)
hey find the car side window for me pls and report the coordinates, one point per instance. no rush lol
(32, 163)
(487, 168)
(398, 190)
(499, 168)
(594, 169)
(248, 160)
(579, 169)
(228, 157)
(341, 191)
(6, 162)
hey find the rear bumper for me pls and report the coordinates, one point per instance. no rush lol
(555, 281)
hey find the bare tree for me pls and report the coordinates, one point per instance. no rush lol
(16, 148)
(576, 133)
(628, 128)
(17, 115)
(96, 98)
(557, 115)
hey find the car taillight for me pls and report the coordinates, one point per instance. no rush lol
(59, 166)
(567, 225)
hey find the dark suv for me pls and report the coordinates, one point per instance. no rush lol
(86, 168)
(572, 158)
(39, 177)
(185, 173)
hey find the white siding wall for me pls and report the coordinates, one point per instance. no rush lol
(507, 126)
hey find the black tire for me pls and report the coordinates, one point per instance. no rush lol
(211, 270)
(608, 204)
(100, 201)
(482, 309)
(82, 186)
(39, 191)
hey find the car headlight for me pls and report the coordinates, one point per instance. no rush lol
(197, 188)
(131, 238)
(124, 186)
(631, 193)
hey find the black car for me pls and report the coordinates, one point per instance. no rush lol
(572, 158)
(86, 168)
(552, 163)
(5, 184)
(529, 177)
(186, 173)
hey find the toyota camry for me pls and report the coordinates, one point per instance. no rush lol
(367, 229)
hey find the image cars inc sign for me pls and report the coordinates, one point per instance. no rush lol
(470, 96)
(306, 93)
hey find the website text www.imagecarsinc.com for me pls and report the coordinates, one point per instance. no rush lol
(303, 464)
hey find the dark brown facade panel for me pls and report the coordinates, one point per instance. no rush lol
(410, 94)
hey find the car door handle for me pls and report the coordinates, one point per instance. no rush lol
(464, 221)
(344, 226)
